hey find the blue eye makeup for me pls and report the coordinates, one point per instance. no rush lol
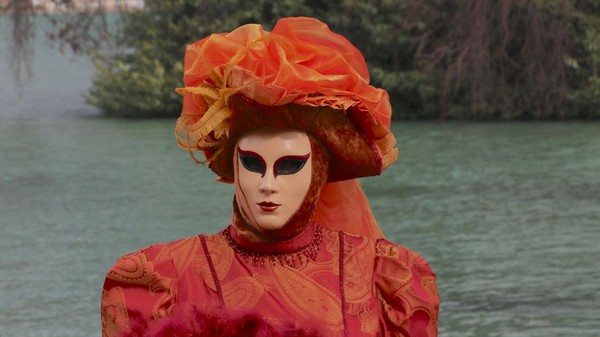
(285, 165)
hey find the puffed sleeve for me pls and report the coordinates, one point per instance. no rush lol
(140, 287)
(407, 292)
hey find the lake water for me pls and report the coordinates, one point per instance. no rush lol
(507, 214)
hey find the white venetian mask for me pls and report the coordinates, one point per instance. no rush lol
(274, 170)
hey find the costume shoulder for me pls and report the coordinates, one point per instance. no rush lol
(406, 289)
(142, 285)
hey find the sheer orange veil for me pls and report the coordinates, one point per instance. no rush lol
(343, 206)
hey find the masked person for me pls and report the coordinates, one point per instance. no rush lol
(289, 118)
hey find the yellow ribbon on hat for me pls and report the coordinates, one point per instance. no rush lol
(210, 129)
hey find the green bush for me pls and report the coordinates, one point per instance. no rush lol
(140, 88)
(585, 102)
(584, 98)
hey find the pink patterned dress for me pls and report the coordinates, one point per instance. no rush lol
(326, 281)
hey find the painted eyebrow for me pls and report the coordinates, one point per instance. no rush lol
(251, 153)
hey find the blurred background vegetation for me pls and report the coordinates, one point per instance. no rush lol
(447, 60)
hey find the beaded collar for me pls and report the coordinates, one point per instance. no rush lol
(293, 252)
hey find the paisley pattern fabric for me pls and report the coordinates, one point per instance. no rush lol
(353, 286)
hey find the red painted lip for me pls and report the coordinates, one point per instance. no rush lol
(268, 206)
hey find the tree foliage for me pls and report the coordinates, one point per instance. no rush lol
(584, 62)
(455, 59)
(498, 59)
(79, 26)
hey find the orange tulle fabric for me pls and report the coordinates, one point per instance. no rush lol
(343, 206)
(300, 61)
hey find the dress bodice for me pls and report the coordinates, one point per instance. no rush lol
(331, 282)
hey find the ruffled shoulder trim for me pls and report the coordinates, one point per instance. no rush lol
(143, 284)
(406, 289)
(152, 264)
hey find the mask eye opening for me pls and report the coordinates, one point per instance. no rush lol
(252, 161)
(288, 165)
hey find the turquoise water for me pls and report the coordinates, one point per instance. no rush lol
(509, 217)
(507, 214)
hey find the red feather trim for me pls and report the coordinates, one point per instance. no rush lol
(195, 322)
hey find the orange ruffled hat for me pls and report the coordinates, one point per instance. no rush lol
(250, 78)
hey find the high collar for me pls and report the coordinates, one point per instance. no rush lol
(297, 243)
